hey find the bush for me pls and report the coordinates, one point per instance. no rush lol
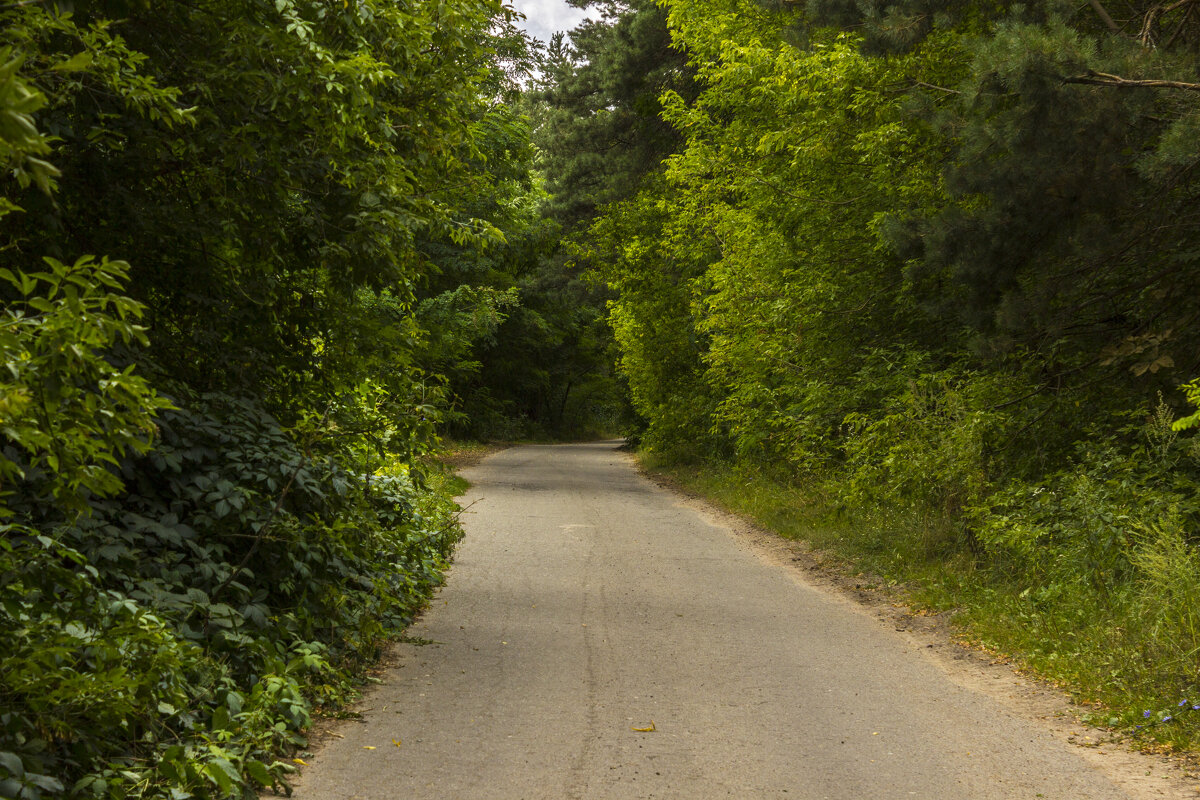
(172, 609)
(175, 637)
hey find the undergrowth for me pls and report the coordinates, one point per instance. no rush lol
(171, 640)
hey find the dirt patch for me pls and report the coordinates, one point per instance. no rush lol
(933, 634)
(460, 456)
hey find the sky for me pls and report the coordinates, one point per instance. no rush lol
(544, 17)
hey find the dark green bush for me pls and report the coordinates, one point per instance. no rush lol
(178, 634)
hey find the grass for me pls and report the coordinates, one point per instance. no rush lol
(1125, 649)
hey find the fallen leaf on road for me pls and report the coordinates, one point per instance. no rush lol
(300, 761)
(368, 747)
(651, 729)
(396, 742)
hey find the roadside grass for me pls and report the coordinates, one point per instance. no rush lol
(1123, 648)
(448, 483)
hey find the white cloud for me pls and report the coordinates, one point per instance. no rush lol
(544, 17)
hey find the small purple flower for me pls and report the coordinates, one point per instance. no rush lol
(1166, 719)
(1195, 708)
(1145, 713)
(1183, 703)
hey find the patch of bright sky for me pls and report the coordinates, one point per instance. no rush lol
(544, 17)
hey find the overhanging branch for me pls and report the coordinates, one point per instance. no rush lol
(1093, 78)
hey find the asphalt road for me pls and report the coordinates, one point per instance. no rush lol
(587, 603)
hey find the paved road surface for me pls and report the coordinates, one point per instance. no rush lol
(586, 602)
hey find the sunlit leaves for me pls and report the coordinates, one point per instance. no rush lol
(70, 412)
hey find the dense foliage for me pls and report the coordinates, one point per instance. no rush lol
(934, 263)
(224, 362)
(926, 265)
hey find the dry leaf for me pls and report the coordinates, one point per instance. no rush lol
(396, 742)
(651, 729)
(368, 747)
(300, 761)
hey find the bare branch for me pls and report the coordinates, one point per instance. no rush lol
(1112, 26)
(1093, 78)
(924, 85)
(1177, 5)
(1187, 16)
(1146, 37)
(1156, 13)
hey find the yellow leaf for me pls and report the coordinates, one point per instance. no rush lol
(300, 761)
(368, 747)
(396, 742)
(651, 729)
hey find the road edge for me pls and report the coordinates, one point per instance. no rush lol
(1143, 775)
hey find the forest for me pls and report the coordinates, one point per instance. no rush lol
(919, 275)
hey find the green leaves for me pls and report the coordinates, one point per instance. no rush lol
(1192, 390)
(21, 143)
(600, 131)
(70, 412)
(183, 579)
(160, 619)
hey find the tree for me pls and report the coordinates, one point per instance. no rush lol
(183, 580)
(598, 127)
(601, 131)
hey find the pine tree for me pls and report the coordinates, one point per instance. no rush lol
(602, 129)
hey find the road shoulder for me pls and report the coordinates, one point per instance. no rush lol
(1141, 774)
